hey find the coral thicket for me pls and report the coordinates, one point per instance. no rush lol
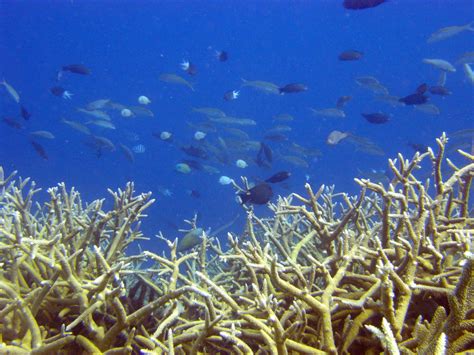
(389, 270)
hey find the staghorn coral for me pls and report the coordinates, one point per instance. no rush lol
(391, 270)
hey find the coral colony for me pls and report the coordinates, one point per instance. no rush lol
(390, 270)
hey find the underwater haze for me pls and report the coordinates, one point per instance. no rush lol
(389, 59)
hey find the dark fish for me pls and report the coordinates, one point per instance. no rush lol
(39, 149)
(222, 56)
(342, 101)
(231, 95)
(361, 4)
(418, 147)
(12, 122)
(264, 156)
(292, 88)
(195, 151)
(350, 55)
(278, 177)
(421, 89)
(265, 152)
(57, 90)
(24, 113)
(376, 117)
(258, 195)
(194, 193)
(414, 99)
(191, 69)
(440, 90)
(77, 69)
(277, 137)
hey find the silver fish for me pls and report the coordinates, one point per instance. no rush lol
(446, 32)
(440, 64)
(13, 93)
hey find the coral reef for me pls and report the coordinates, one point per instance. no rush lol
(391, 270)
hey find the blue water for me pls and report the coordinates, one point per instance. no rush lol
(128, 44)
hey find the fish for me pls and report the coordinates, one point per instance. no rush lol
(13, 93)
(292, 88)
(390, 99)
(182, 168)
(266, 152)
(77, 126)
(98, 114)
(194, 164)
(447, 32)
(422, 88)
(42, 134)
(258, 195)
(240, 163)
(418, 147)
(376, 117)
(194, 193)
(175, 79)
(238, 133)
(414, 99)
(469, 73)
(371, 149)
(77, 69)
(127, 152)
(361, 4)
(428, 108)
(336, 137)
(279, 129)
(350, 55)
(141, 111)
(97, 104)
(439, 90)
(11, 122)
(102, 123)
(60, 91)
(190, 240)
(371, 83)
(467, 57)
(329, 112)
(294, 160)
(103, 142)
(139, 149)
(276, 137)
(189, 67)
(283, 117)
(231, 95)
(342, 101)
(209, 111)
(440, 64)
(278, 177)
(225, 180)
(195, 151)
(223, 56)
(209, 169)
(366, 80)
(233, 120)
(264, 86)
(24, 113)
(39, 150)
(442, 78)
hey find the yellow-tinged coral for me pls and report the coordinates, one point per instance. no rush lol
(391, 270)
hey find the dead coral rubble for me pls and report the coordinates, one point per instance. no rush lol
(391, 269)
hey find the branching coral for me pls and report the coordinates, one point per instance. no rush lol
(388, 270)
